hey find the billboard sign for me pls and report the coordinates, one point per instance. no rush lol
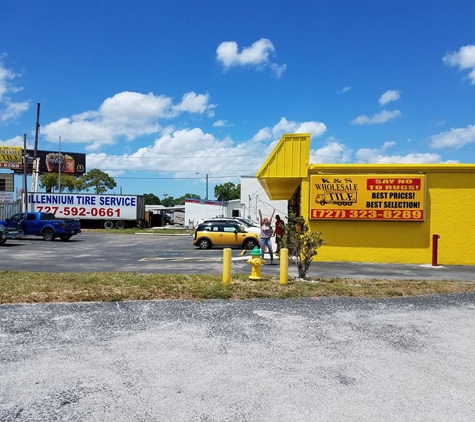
(85, 206)
(11, 157)
(374, 197)
(72, 163)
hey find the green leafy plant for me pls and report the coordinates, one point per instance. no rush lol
(301, 243)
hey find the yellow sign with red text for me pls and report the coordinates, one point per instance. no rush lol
(375, 197)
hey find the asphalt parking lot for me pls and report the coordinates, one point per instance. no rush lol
(329, 359)
(92, 252)
(316, 359)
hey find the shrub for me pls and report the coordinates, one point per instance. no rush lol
(301, 243)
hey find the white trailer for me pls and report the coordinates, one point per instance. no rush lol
(106, 211)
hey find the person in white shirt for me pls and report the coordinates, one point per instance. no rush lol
(266, 234)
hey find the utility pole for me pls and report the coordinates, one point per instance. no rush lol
(207, 175)
(25, 187)
(60, 163)
(36, 164)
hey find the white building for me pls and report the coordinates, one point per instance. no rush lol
(253, 199)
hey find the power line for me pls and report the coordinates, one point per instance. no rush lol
(173, 178)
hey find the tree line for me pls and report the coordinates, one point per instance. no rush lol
(101, 182)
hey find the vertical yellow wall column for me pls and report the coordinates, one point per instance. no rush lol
(227, 266)
(284, 265)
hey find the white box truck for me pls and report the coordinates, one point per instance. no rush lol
(106, 211)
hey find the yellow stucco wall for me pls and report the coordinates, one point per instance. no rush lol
(449, 205)
(450, 209)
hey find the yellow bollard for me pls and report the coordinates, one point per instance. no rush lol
(227, 266)
(284, 266)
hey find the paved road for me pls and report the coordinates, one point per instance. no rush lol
(320, 359)
(306, 360)
(90, 252)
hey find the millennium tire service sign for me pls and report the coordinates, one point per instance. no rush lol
(375, 197)
(94, 207)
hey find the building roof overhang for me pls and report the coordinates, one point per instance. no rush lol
(285, 167)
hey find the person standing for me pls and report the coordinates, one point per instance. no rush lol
(266, 234)
(279, 233)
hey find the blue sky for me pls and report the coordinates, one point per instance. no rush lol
(160, 93)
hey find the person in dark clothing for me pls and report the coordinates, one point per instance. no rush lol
(279, 232)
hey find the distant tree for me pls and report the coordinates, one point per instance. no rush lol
(227, 191)
(97, 179)
(168, 201)
(49, 181)
(181, 199)
(151, 199)
(69, 183)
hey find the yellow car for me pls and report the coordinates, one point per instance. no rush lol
(224, 234)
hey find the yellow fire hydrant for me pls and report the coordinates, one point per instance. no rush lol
(255, 261)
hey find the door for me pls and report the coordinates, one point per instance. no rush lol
(231, 235)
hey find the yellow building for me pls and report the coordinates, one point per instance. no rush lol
(387, 213)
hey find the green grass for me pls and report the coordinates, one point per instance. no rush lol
(28, 287)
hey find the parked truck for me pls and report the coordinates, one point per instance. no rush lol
(106, 211)
(10, 232)
(43, 224)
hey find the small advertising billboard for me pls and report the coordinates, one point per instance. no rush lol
(72, 163)
(372, 197)
(11, 157)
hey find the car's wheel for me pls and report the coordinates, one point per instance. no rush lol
(120, 225)
(204, 243)
(249, 244)
(48, 234)
(108, 224)
(2, 241)
(66, 237)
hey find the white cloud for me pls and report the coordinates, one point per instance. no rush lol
(345, 89)
(126, 114)
(189, 150)
(464, 59)
(17, 141)
(256, 55)
(278, 70)
(315, 129)
(9, 110)
(5, 76)
(185, 151)
(380, 156)
(332, 152)
(454, 138)
(389, 96)
(193, 103)
(220, 123)
(378, 118)
(13, 110)
(264, 134)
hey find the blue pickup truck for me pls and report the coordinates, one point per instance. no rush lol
(43, 224)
